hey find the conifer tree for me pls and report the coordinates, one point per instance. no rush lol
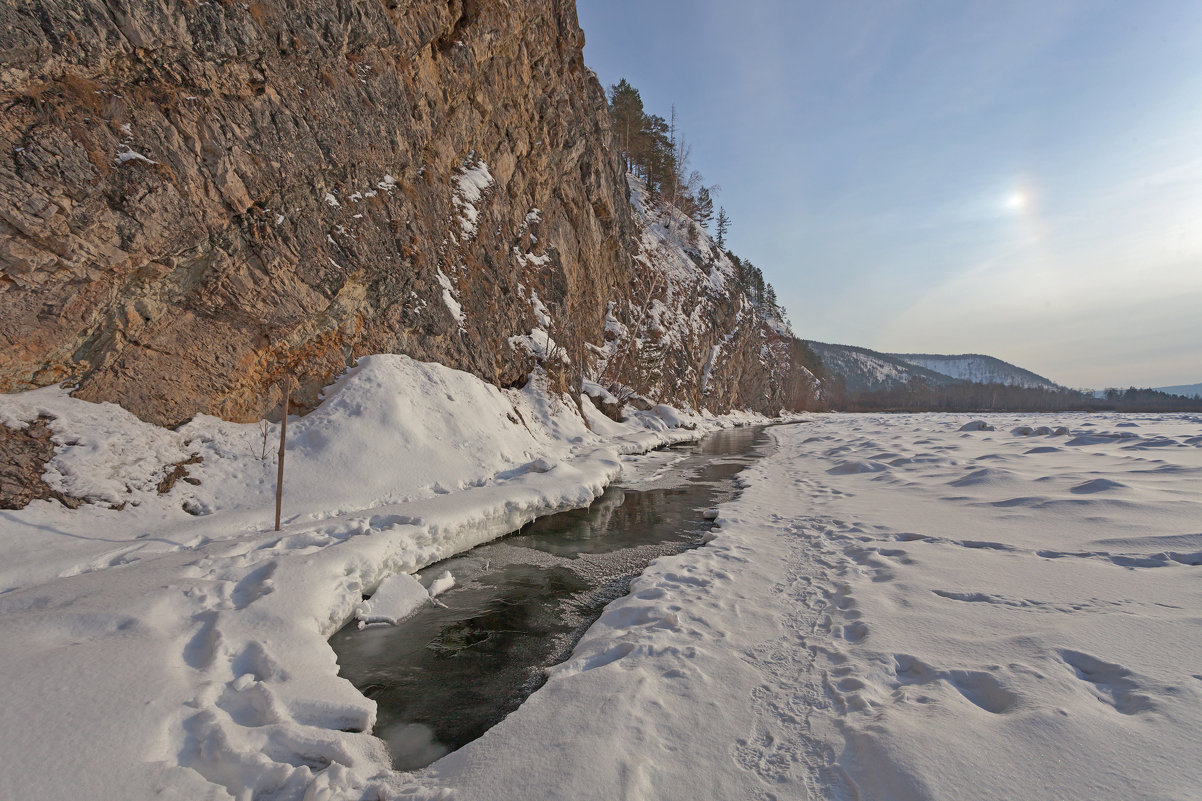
(722, 226)
(626, 106)
(703, 206)
(770, 299)
(655, 153)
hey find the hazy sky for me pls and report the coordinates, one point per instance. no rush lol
(1022, 179)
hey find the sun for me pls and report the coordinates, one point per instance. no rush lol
(1018, 200)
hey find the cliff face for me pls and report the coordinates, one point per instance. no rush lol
(688, 333)
(198, 198)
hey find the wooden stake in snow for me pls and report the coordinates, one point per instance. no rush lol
(279, 479)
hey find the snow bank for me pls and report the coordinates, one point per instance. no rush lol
(390, 431)
(185, 623)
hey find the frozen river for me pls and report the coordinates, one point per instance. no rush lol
(891, 607)
(446, 674)
(898, 607)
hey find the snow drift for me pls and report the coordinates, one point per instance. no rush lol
(185, 623)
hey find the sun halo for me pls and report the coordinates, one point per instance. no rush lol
(1017, 201)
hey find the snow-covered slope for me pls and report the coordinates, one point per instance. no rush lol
(977, 368)
(1188, 390)
(864, 370)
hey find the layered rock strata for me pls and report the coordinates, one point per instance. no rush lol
(198, 199)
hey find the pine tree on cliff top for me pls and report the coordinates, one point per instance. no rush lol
(627, 109)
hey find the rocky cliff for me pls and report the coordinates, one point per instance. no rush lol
(199, 198)
(689, 333)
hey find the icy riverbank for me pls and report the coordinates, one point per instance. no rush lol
(898, 609)
(176, 647)
(450, 671)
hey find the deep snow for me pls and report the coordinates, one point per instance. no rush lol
(897, 607)
(979, 615)
(176, 645)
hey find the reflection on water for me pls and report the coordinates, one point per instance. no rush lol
(449, 673)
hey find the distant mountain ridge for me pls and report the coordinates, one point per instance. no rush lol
(1188, 390)
(978, 368)
(863, 370)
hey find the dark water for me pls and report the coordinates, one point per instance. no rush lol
(449, 673)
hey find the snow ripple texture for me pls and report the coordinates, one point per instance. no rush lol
(898, 607)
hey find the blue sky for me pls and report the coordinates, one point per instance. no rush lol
(1022, 179)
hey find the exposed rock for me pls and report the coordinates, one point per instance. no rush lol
(200, 198)
(688, 333)
(23, 457)
(179, 471)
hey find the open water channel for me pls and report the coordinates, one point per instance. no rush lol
(444, 676)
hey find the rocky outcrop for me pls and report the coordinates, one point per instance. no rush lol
(25, 452)
(688, 332)
(199, 198)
